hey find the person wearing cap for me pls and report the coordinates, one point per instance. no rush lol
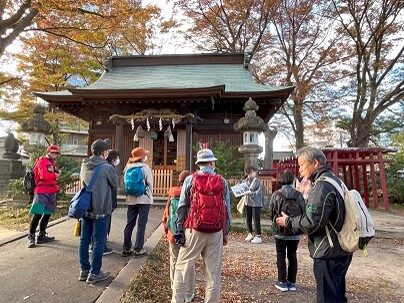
(138, 206)
(195, 243)
(44, 201)
(112, 159)
(94, 224)
(174, 193)
(253, 205)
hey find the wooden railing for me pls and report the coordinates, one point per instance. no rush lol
(267, 182)
(162, 181)
(73, 188)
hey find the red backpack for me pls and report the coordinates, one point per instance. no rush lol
(207, 211)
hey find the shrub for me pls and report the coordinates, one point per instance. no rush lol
(395, 172)
(395, 182)
(230, 164)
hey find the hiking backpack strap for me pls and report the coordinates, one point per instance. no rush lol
(93, 178)
(283, 198)
(341, 189)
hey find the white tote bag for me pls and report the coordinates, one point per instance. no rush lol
(241, 204)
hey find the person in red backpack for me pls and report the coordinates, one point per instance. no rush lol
(169, 222)
(203, 221)
(44, 201)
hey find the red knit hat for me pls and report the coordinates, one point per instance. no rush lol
(53, 149)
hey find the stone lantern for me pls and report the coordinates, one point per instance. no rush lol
(250, 126)
(10, 165)
(37, 127)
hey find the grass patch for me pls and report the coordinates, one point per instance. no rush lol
(397, 209)
(18, 218)
(152, 283)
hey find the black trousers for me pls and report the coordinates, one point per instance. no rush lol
(250, 213)
(286, 248)
(35, 221)
(135, 211)
(330, 279)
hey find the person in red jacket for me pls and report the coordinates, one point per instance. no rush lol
(44, 202)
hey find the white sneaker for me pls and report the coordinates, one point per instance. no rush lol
(249, 237)
(256, 240)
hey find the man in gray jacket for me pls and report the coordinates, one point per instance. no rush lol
(324, 213)
(94, 223)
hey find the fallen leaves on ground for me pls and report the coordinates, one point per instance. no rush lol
(248, 274)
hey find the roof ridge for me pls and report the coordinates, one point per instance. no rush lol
(176, 59)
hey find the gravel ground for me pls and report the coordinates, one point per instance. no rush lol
(249, 272)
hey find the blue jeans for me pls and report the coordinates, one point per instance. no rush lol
(95, 229)
(133, 211)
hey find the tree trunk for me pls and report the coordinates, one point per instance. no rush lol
(270, 135)
(299, 127)
(360, 135)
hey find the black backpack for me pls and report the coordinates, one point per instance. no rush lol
(292, 208)
(29, 182)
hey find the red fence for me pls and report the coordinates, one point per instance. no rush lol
(360, 168)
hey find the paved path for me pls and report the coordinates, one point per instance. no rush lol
(49, 272)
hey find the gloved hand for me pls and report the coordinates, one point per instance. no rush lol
(179, 238)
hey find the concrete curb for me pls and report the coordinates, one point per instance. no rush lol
(23, 234)
(117, 288)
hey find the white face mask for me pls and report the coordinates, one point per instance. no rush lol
(116, 162)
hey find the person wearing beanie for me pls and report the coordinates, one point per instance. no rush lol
(94, 224)
(168, 220)
(44, 200)
(138, 206)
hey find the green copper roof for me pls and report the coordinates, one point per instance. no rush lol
(234, 77)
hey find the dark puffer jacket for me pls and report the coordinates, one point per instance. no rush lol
(324, 206)
(274, 207)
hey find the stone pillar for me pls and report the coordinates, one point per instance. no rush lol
(270, 135)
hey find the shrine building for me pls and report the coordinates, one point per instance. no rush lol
(168, 104)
